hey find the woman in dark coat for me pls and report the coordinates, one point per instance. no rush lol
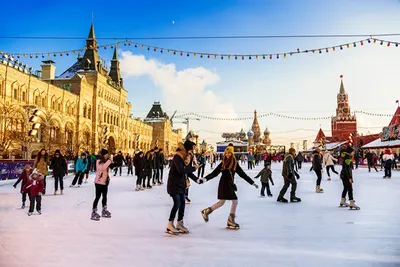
(226, 188)
(59, 167)
(139, 170)
(148, 168)
(176, 185)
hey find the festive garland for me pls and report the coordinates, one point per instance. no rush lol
(204, 54)
(277, 115)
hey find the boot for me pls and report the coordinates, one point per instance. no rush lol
(137, 188)
(329, 178)
(23, 205)
(205, 213)
(105, 213)
(282, 199)
(181, 227)
(141, 187)
(295, 199)
(231, 224)
(353, 205)
(61, 192)
(55, 192)
(343, 203)
(95, 216)
(171, 228)
(318, 189)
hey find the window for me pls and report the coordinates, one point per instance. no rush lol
(15, 95)
(44, 102)
(89, 112)
(59, 107)
(84, 110)
(24, 96)
(37, 100)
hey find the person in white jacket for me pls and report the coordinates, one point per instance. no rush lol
(388, 159)
(329, 162)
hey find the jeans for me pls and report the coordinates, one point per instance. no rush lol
(347, 189)
(56, 180)
(116, 170)
(319, 177)
(38, 200)
(80, 176)
(139, 179)
(23, 197)
(388, 171)
(101, 190)
(263, 187)
(287, 183)
(179, 206)
(161, 173)
(330, 167)
(371, 164)
(200, 171)
(249, 165)
(156, 176)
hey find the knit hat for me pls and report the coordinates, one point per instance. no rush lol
(35, 171)
(103, 152)
(57, 151)
(27, 166)
(83, 154)
(349, 149)
(229, 149)
(188, 145)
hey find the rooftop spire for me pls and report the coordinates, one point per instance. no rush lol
(342, 91)
(91, 35)
(115, 55)
(90, 58)
(114, 69)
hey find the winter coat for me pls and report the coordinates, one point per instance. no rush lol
(42, 165)
(299, 157)
(201, 160)
(80, 166)
(34, 186)
(316, 163)
(288, 171)
(227, 187)
(139, 163)
(266, 175)
(102, 171)
(59, 166)
(177, 175)
(118, 160)
(129, 161)
(388, 159)
(162, 160)
(156, 160)
(24, 177)
(370, 157)
(329, 160)
(347, 170)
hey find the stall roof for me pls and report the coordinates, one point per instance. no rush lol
(379, 144)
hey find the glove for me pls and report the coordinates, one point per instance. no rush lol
(255, 185)
(40, 194)
(204, 180)
(199, 181)
(14, 186)
(297, 176)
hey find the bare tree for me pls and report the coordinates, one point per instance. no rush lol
(13, 129)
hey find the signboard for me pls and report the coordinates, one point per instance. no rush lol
(390, 133)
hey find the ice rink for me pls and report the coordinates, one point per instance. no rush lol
(315, 232)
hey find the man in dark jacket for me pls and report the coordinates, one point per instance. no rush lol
(370, 159)
(157, 167)
(139, 163)
(317, 167)
(118, 161)
(289, 175)
(59, 166)
(201, 160)
(162, 163)
(129, 163)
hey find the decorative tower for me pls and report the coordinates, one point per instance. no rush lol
(319, 139)
(267, 140)
(114, 69)
(343, 123)
(256, 128)
(91, 58)
(250, 137)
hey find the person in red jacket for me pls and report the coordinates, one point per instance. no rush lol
(34, 187)
(24, 177)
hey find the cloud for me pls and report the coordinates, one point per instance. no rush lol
(185, 90)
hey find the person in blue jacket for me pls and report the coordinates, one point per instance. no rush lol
(80, 168)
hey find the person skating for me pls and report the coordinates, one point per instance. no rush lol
(24, 177)
(176, 186)
(59, 166)
(289, 176)
(202, 162)
(34, 187)
(80, 168)
(148, 168)
(299, 160)
(42, 164)
(129, 164)
(101, 182)
(139, 163)
(118, 161)
(89, 166)
(162, 165)
(347, 178)
(370, 159)
(329, 162)
(388, 159)
(317, 167)
(227, 187)
(266, 176)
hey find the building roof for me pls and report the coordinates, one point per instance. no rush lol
(342, 91)
(320, 136)
(396, 118)
(156, 112)
(378, 143)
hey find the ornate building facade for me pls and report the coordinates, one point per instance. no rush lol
(84, 108)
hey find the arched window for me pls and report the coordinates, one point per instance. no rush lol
(59, 106)
(44, 101)
(117, 121)
(84, 110)
(89, 112)
(1, 86)
(105, 117)
(37, 100)
(108, 117)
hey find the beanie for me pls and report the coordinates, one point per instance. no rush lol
(230, 149)
(103, 152)
(188, 145)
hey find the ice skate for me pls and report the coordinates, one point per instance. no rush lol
(86, 181)
(282, 199)
(137, 188)
(71, 185)
(141, 188)
(205, 213)
(105, 213)
(95, 216)
(29, 213)
(231, 224)
(149, 186)
(181, 227)
(262, 195)
(61, 192)
(159, 184)
(79, 185)
(329, 178)
(40, 212)
(343, 203)
(23, 205)
(188, 201)
(270, 195)
(171, 229)
(295, 199)
(55, 192)
(353, 205)
(318, 189)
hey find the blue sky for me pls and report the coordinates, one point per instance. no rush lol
(302, 85)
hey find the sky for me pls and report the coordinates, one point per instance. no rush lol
(302, 85)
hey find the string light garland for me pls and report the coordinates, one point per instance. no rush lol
(207, 55)
(272, 114)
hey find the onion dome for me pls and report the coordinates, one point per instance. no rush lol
(250, 133)
(267, 131)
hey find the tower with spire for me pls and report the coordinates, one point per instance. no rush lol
(344, 122)
(255, 127)
(114, 69)
(91, 57)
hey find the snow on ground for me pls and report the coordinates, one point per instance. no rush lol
(312, 233)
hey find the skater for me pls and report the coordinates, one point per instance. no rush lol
(317, 167)
(227, 187)
(370, 159)
(162, 165)
(299, 160)
(34, 187)
(101, 183)
(148, 168)
(249, 161)
(89, 166)
(118, 161)
(176, 186)
(266, 176)
(24, 177)
(201, 160)
(42, 164)
(347, 178)
(139, 170)
(329, 162)
(157, 166)
(59, 167)
(388, 160)
(289, 177)
(80, 168)
(129, 164)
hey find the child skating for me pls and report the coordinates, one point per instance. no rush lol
(34, 187)
(24, 177)
(266, 176)
(347, 178)
(227, 187)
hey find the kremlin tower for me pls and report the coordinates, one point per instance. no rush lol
(256, 129)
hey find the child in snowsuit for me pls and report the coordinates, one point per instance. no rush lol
(266, 176)
(34, 187)
(24, 177)
(347, 178)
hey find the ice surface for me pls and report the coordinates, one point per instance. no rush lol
(314, 232)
